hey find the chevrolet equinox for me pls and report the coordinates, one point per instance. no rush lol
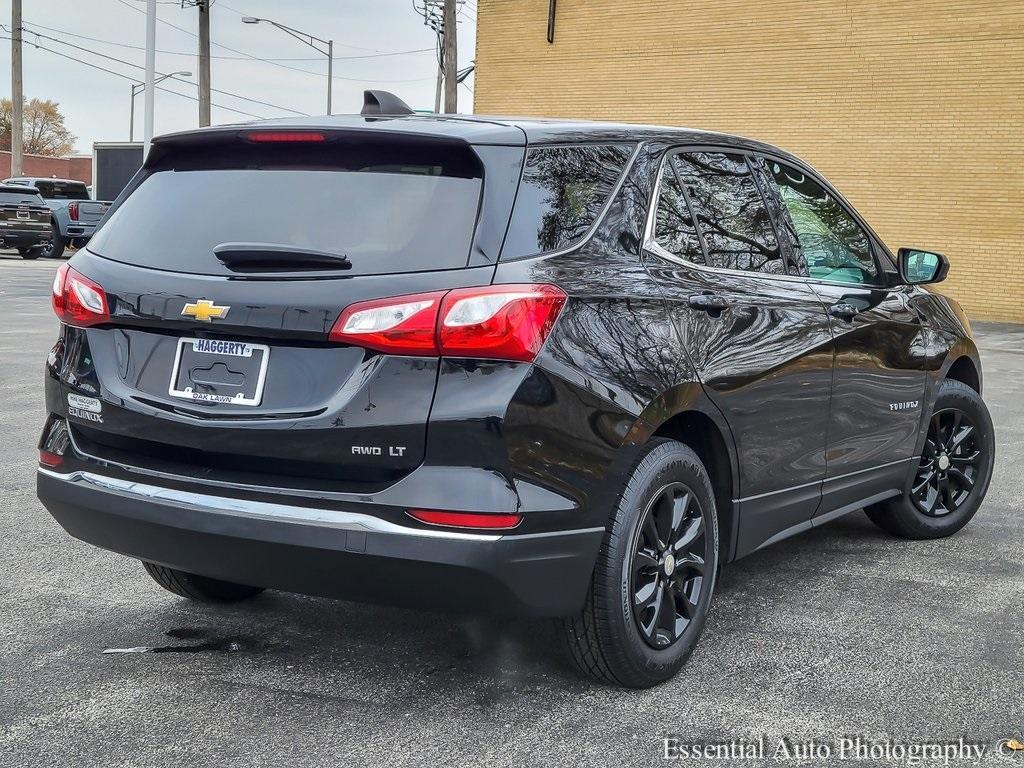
(536, 367)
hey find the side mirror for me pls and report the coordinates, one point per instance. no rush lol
(919, 267)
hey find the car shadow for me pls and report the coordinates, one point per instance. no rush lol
(387, 645)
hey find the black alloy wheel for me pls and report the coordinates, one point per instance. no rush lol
(950, 464)
(669, 556)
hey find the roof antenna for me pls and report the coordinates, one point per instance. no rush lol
(384, 103)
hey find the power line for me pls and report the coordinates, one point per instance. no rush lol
(192, 54)
(135, 80)
(343, 45)
(275, 63)
(219, 45)
(139, 66)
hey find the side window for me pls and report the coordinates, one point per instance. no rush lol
(561, 194)
(674, 229)
(832, 243)
(731, 215)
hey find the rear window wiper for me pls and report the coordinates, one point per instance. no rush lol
(256, 257)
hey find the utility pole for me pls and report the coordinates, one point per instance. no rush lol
(330, 73)
(17, 93)
(204, 61)
(437, 90)
(147, 124)
(451, 58)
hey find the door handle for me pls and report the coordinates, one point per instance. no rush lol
(711, 303)
(843, 310)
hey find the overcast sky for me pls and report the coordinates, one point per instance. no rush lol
(96, 104)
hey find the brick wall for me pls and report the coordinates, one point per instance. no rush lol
(913, 109)
(78, 168)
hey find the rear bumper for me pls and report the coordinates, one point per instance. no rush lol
(24, 238)
(328, 552)
(80, 230)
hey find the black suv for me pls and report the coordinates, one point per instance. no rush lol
(535, 367)
(24, 221)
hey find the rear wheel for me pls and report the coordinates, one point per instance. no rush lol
(56, 249)
(952, 474)
(654, 576)
(30, 253)
(200, 588)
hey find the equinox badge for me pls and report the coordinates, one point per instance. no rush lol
(205, 310)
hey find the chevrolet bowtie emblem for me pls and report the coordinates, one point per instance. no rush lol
(204, 310)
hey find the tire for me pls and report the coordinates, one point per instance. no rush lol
(606, 640)
(56, 249)
(30, 253)
(199, 588)
(947, 487)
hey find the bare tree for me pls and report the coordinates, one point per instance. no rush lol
(45, 132)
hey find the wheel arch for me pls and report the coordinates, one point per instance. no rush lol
(964, 369)
(695, 422)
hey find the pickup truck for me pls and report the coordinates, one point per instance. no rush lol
(74, 215)
(24, 221)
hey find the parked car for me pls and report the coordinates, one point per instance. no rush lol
(536, 367)
(24, 221)
(74, 216)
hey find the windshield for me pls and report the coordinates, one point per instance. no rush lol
(384, 215)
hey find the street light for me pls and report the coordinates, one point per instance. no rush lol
(137, 88)
(308, 39)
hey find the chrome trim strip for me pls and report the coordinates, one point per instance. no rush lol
(827, 479)
(280, 513)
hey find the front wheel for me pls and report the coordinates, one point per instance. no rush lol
(199, 588)
(952, 473)
(654, 576)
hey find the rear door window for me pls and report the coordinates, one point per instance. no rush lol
(674, 228)
(732, 218)
(387, 208)
(561, 195)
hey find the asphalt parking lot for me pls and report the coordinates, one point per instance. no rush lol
(841, 631)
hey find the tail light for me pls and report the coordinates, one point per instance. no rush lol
(479, 520)
(502, 322)
(77, 300)
(404, 325)
(48, 459)
(73, 210)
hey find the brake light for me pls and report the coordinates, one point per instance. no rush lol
(489, 521)
(502, 322)
(73, 210)
(285, 137)
(77, 300)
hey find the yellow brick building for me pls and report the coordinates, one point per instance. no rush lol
(913, 108)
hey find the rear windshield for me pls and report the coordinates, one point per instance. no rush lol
(62, 190)
(561, 195)
(8, 196)
(388, 209)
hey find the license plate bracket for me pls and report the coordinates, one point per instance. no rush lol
(218, 371)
